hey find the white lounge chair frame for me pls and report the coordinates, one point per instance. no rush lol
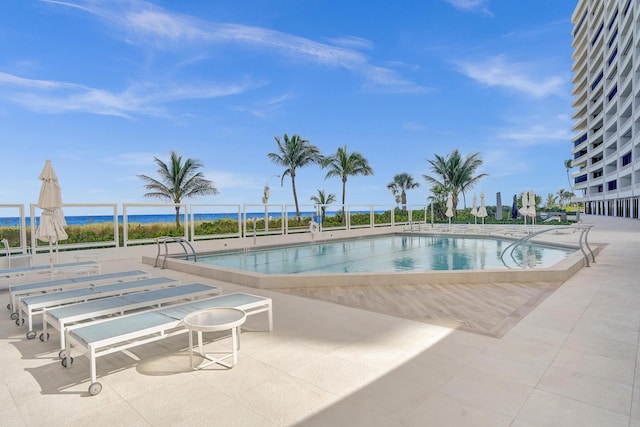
(34, 305)
(121, 333)
(17, 292)
(69, 267)
(61, 317)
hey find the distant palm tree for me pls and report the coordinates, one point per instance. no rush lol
(294, 153)
(323, 200)
(177, 181)
(455, 173)
(400, 184)
(551, 201)
(342, 164)
(568, 164)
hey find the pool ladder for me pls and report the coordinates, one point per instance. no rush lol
(582, 242)
(165, 240)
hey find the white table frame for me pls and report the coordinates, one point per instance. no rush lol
(215, 320)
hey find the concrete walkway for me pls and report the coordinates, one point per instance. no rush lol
(572, 361)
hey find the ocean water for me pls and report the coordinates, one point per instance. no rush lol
(149, 219)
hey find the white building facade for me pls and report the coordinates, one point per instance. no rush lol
(606, 91)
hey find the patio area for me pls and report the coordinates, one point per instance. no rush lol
(567, 358)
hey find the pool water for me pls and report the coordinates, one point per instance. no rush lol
(391, 253)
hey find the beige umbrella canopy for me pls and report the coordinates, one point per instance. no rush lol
(524, 210)
(482, 211)
(52, 222)
(474, 209)
(449, 212)
(532, 206)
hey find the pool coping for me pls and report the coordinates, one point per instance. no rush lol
(558, 273)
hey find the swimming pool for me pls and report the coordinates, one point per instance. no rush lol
(407, 262)
(390, 253)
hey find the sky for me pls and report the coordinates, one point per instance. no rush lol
(101, 87)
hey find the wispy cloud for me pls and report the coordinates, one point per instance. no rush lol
(50, 96)
(537, 135)
(498, 72)
(266, 108)
(503, 162)
(352, 42)
(144, 23)
(471, 6)
(144, 159)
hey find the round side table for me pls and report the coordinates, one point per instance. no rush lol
(215, 320)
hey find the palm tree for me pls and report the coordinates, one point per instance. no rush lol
(177, 181)
(400, 184)
(568, 164)
(455, 173)
(551, 201)
(323, 200)
(343, 165)
(294, 153)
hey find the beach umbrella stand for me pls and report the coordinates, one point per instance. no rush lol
(52, 224)
(449, 212)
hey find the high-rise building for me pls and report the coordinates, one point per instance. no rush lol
(606, 90)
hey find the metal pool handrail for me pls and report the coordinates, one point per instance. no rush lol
(169, 239)
(583, 241)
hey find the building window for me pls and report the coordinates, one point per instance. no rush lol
(615, 15)
(582, 21)
(613, 56)
(597, 80)
(613, 38)
(612, 185)
(626, 159)
(580, 140)
(595, 38)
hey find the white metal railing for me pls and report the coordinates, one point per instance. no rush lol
(67, 207)
(22, 224)
(202, 214)
(154, 207)
(250, 220)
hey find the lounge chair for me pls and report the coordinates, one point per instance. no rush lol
(60, 317)
(33, 305)
(18, 291)
(112, 335)
(69, 267)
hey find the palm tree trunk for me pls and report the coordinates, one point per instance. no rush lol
(177, 216)
(344, 189)
(295, 194)
(404, 202)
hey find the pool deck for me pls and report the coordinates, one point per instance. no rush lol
(570, 361)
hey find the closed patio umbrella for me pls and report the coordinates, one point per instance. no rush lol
(524, 210)
(52, 222)
(474, 209)
(482, 212)
(449, 212)
(532, 207)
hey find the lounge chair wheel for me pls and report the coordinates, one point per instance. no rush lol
(64, 362)
(62, 354)
(31, 335)
(14, 316)
(95, 388)
(43, 338)
(9, 306)
(18, 322)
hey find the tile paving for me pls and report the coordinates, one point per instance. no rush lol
(572, 360)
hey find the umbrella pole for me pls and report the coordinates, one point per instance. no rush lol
(51, 259)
